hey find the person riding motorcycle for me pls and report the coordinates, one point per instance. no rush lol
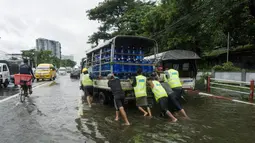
(26, 69)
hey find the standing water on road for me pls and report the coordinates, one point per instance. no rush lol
(51, 115)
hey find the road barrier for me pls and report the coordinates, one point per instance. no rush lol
(247, 86)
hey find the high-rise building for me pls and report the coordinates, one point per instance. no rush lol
(51, 45)
(66, 57)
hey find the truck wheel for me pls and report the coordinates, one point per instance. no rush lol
(6, 83)
(103, 98)
(37, 80)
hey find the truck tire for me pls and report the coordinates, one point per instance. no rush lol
(103, 99)
(6, 83)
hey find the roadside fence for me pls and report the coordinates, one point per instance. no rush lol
(247, 88)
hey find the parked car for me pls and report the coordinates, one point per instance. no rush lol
(75, 73)
(62, 71)
(4, 75)
(45, 71)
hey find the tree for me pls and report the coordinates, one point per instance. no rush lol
(30, 54)
(197, 25)
(108, 13)
(68, 63)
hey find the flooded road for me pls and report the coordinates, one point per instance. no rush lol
(51, 115)
(11, 89)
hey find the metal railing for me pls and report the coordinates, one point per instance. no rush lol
(221, 83)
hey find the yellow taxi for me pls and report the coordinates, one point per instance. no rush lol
(45, 71)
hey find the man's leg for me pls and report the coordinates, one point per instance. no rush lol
(117, 115)
(117, 110)
(170, 115)
(89, 100)
(30, 89)
(163, 102)
(124, 115)
(149, 111)
(142, 110)
(122, 111)
(139, 103)
(183, 113)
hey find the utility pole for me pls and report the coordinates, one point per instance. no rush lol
(228, 48)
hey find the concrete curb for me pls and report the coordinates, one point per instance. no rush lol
(221, 97)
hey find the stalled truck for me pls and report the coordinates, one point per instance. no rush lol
(122, 56)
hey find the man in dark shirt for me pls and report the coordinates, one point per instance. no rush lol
(119, 97)
(26, 69)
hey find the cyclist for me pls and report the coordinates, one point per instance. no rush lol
(26, 69)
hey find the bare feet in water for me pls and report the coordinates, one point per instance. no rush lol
(116, 119)
(174, 120)
(126, 124)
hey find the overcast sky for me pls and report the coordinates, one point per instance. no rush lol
(23, 21)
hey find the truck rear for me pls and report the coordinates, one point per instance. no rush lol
(122, 56)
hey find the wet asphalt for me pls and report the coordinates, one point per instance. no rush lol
(48, 116)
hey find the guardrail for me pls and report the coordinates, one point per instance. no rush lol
(249, 86)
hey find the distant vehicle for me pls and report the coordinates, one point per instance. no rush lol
(45, 71)
(33, 70)
(68, 69)
(62, 71)
(75, 73)
(4, 74)
(13, 68)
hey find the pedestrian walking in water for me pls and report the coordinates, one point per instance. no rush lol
(140, 89)
(160, 96)
(87, 86)
(119, 97)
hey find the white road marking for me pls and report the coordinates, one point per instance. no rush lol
(15, 95)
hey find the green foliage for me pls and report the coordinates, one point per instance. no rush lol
(68, 63)
(194, 25)
(228, 66)
(38, 57)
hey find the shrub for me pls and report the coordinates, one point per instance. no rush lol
(228, 66)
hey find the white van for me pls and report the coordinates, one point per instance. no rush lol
(4, 75)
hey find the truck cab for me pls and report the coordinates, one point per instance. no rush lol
(183, 61)
(4, 75)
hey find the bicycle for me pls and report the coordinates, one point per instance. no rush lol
(24, 81)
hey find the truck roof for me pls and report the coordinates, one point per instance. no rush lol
(148, 43)
(175, 55)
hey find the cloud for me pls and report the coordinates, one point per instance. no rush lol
(21, 22)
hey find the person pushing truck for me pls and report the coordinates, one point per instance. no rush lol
(140, 89)
(160, 96)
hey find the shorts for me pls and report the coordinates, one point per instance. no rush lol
(163, 103)
(177, 92)
(118, 103)
(141, 101)
(174, 104)
(88, 90)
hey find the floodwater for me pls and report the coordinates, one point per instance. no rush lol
(52, 115)
(212, 121)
